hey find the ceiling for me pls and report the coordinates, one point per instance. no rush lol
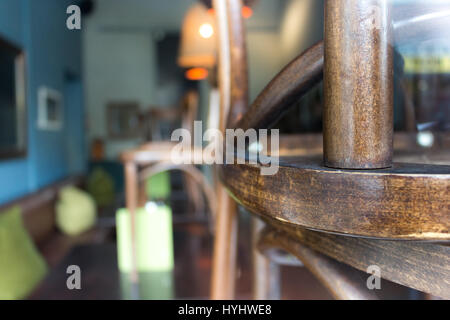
(167, 15)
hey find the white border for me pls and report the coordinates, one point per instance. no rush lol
(45, 93)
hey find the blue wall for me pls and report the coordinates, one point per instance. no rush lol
(52, 52)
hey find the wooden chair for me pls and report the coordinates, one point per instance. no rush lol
(185, 114)
(342, 204)
(155, 157)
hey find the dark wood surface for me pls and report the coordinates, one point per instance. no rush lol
(408, 201)
(99, 275)
(340, 279)
(424, 266)
(238, 63)
(56, 247)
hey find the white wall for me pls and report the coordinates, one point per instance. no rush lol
(117, 67)
(165, 15)
(264, 59)
(280, 31)
(120, 61)
(301, 26)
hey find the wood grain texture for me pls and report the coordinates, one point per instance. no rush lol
(424, 266)
(266, 271)
(287, 87)
(340, 279)
(408, 201)
(238, 63)
(358, 117)
(233, 90)
(223, 277)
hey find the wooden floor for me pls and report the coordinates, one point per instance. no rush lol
(100, 278)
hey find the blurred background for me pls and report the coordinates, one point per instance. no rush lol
(72, 101)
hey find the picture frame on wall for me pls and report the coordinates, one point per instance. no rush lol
(123, 120)
(13, 114)
(50, 109)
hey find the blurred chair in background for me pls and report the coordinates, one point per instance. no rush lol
(150, 160)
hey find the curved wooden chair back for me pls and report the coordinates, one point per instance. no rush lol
(233, 75)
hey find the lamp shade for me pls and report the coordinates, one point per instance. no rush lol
(198, 38)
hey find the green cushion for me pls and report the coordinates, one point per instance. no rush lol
(21, 265)
(75, 211)
(158, 186)
(100, 185)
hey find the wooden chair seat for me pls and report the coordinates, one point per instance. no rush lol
(407, 201)
(158, 152)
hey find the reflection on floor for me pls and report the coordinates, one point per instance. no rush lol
(100, 278)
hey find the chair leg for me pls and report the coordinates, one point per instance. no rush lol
(266, 273)
(195, 195)
(225, 247)
(131, 184)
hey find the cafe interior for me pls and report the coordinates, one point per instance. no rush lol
(115, 119)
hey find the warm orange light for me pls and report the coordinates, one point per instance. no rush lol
(196, 74)
(247, 12)
(211, 11)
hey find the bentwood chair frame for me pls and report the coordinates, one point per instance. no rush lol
(353, 207)
(155, 157)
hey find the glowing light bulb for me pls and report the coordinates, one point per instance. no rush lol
(206, 30)
(196, 74)
(247, 12)
(425, 139)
